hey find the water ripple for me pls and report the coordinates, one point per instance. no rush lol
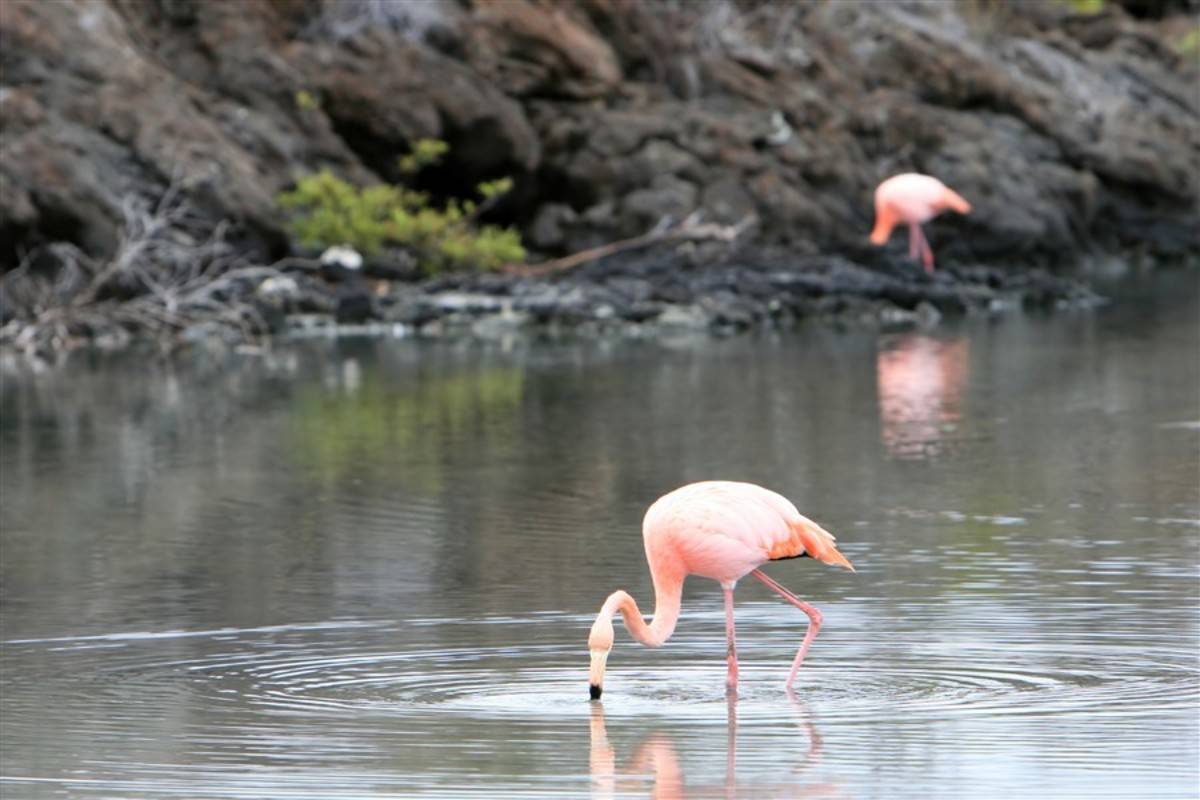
(352, 691)
(336, 668)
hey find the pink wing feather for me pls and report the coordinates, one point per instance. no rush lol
(728, 522)
(801, 536)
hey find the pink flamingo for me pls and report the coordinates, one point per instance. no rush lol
(913, 199)
(724, 531)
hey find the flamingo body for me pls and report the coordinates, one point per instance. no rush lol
(721, 530)
(912, 199)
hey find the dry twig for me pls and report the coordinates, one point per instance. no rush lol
(690, 230)
(180, 275)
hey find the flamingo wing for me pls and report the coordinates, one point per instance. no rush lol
(737, 526)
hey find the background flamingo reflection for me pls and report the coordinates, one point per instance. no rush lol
(921, 381)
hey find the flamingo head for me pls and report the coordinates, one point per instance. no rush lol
(955, 202)
(600, 642)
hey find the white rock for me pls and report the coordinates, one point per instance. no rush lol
(342, 255)
(279, 286)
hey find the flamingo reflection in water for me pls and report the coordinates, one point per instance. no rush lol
(921, 382)
(656, 757)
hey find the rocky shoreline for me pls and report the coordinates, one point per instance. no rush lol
(1070, 133)
(653, 292)
(707, 288)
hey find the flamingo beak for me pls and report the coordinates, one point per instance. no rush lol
(596, 674)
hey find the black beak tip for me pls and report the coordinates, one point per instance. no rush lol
(595, 691)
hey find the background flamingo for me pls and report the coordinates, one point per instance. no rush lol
(913, 199)
(721, 530)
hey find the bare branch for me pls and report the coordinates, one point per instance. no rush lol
(691, 230)
(179, 273)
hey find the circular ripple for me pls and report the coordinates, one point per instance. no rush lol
(350, 695)
(338, 670)
(348, 667)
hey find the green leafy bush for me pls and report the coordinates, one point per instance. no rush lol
(1187, 45)
(1084, 6)
(329, 211)
(306, 101)
(425, 153)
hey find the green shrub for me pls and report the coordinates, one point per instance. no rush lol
(1188, 45)
(329, 211)
(1084, 6)
(425, 153)
(305, 101)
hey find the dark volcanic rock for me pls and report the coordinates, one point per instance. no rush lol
(354, 303)
(1067, 132)
(760, 290)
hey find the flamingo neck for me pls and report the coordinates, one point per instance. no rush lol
(667, 596)
(885, 220)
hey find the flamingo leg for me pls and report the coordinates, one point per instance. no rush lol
(814, 621)
(926, 252)
(731, 679)
(918, 247)
(731, 746)
(928, 259)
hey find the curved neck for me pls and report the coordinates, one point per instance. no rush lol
(885, 220)
(666, 612)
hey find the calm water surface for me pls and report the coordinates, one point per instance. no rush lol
(367, 568)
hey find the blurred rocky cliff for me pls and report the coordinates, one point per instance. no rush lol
(1066, 130)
